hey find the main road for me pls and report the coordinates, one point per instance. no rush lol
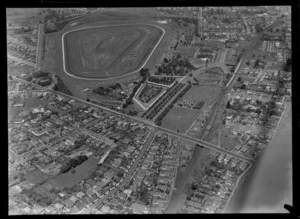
(206, 144)
(183, 136)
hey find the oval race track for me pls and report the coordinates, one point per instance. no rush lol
(129, 53)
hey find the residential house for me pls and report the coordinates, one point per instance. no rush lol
(139, 209)
(193, 204)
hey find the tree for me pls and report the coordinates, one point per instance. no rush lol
(194, 186)
(120, 174)
(243, 86)
(144, 72)
(228, 104)
(128, 101)
(288, 65)
(258, 111)
(158, 122)
(248, 109)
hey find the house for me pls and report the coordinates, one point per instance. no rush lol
(90, 192)
(73, 199)
(105, 209)
(141, 173)
(193, 204)
(80, 194)
(195, 199)
(162, 187)
(122, 195)
(243, 166)
(69, 203)
(137, 181)
(229, 182)
(229, 173)
(237, 147)
(227, 158)
(139, 209)
(244, 149)
(127, 191)
(212, 208)
(37, 208)
(49, 209)
(109, 174)
(58, 206)
(161, 195)
(159, 202)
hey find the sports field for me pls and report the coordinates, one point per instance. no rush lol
(179, 119)
(206, 93)
(109, 51)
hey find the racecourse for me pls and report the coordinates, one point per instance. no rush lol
(116, 68)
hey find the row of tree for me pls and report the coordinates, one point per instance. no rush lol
(61, 87)
(144, 73)
(155, 108)
(111, 91)
(167, 109)
(73, 163)
(162, 80)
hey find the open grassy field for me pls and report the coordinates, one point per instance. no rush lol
(108, 51)
(215, 70)
(20, 16)
(36, 176)
(202, 93)
(68, 180)
(179, 119)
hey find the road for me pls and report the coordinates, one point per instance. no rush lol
(40, 46)
(205, 144)
(183, 136)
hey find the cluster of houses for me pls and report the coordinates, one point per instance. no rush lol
(112, 139)
(22, 51)
(211, 193)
